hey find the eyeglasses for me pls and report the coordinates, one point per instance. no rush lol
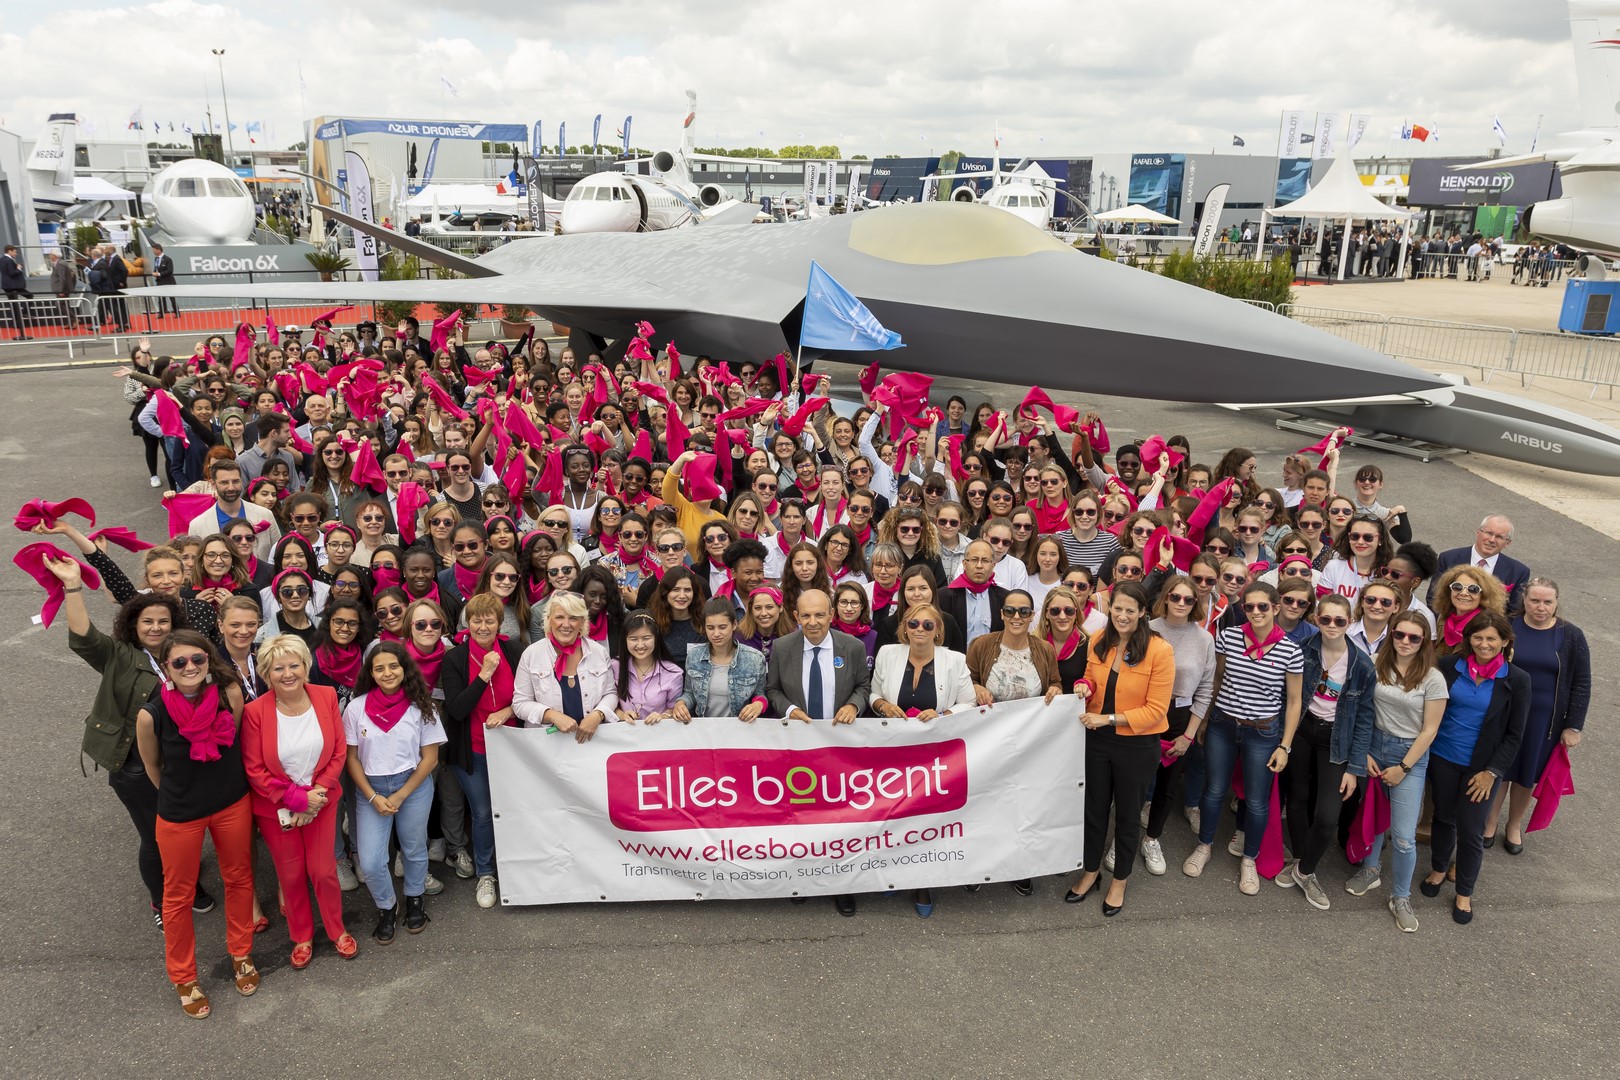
(290, 592)
(1017, 612)
(494, 502)
(345, 624)
(1363, 538)
(853, 509)
(860, 472)
(1332, 620)
(920, 624)
(971, 466)
(196, 660)
(306, 519)
(999, 542)
(1296, 601)
(1084, 511)
(1181, 598)
(636, 535)
(1295, 551)
(441, 523)
(1296, 571)
(1403, 635)
(910, 498)
(1203, 580)
(345, 586)
(553, 523)
(1247, 530)
(1127, 570)
(1001, 496)
(1466, 587)
(1233, 579)
(467, 545)
(840, 545)
(1112, 516)
(1023, 526)
(1258, 608)
(559, 571)
(716, 538)
(1265, 504)
(669, 548)
(460, 468)
(1051, 481)
(1141, 530)
(1310, 526)
(392, 612)
(427, 624)
(330, 451)
(610, 510)
(216, 556)
(1377, 601)
(1217, 549)
(1063, 612)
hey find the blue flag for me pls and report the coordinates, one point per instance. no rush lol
(835, 319)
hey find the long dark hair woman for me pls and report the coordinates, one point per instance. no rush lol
(1128, 690)
(1176, 622)
(1476, 746)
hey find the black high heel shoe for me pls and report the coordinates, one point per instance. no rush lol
(1110, 910)
(1072, 897)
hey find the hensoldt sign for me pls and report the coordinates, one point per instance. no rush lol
(1434, 182)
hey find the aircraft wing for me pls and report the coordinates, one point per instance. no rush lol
(430, 253)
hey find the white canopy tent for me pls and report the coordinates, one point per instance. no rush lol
(95, 189)
(438, 199)
(1339, 195)
(1136, 212)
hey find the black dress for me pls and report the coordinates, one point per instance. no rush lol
(922, 697)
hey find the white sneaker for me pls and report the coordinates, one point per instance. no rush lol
(1153, 857)
(1235, 847)
(1194, 816)
(436, 850)
(346, 879)
(462, 864)
(434, 886)
(1196, 861)
(399, 864)
(486, 891)
(1248, 878)
(1285, 880)
(156, 482)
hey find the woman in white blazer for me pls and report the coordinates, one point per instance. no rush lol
(565, 679)
(920, 678)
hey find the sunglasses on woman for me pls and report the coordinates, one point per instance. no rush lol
(1017, 612)
(1466, 587)
(1407, 636)
(1063, 612)
(920, 624)
(197, 660)
(1258, 608)
(1332, 620)
(1181, 598)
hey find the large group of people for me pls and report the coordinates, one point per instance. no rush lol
(384, 547)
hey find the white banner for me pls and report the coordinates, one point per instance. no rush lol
(852, 188)
(1325, 144)
(1210, 223)
(1293, 126)
(723, 810)
(358, 185)
(1358, 127)
(829, 182)
(812, 186)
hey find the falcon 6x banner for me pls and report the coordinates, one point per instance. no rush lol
(719, 809)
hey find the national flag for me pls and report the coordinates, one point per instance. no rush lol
(171, 125)
(1501, 132)
(134, 121)
(535, 142)
(186, 128)
(1420, 133)
(834, 318)
(449, 86)
(254, 127)
(1237, 140)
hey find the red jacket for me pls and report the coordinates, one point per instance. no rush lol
(272, 789)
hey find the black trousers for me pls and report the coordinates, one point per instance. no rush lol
(139, 797)
(1314, 802)
(1164, 782)
(1118, 771)
(1458, 823)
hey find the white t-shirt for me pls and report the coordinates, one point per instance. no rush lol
(299, 745)
(397, 750)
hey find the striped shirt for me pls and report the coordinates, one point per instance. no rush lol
(1090, 554)
(1254, 689)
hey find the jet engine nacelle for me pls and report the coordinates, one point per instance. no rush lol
(965, 193)
(711, 195)
(663, 161)
(1581, 223)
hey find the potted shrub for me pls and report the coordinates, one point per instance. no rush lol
(326, 262)
(514, 320)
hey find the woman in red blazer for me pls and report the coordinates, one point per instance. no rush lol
(294, 751)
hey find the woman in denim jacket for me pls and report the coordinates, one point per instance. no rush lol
(720, 657)
(1335, 729)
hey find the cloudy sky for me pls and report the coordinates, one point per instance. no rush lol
(904, 76)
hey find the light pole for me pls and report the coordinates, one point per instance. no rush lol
(230, 143)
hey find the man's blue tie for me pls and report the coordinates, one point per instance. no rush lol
(814, 697)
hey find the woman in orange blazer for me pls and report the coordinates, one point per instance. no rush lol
(1129, 683)
(294, 751)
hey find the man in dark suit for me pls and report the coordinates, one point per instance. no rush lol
(976, 606)
(1492, 537)
(163, 274)
(818, 673)
(14, 283)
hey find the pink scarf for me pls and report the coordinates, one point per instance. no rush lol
(385, 577)
(563, 653)
(1480, 672)
(882, 597)
(961, 582)
(340, 663)
(599, 628)
(1255, 649)
(386, 710)
(467, 579)
(1071, 643)
(206, 724)
(1456, 623)
(428, 662)
(819, 520)
(859, 630)
(1050, 519)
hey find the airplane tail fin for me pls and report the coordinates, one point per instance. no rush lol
(1594, 28)
(54, 151)
(688, 132)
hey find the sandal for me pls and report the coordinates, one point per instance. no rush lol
(301, 956)
(347, 947)
(247, 976)
(192, 999)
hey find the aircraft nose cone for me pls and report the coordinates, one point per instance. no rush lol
(589, 217)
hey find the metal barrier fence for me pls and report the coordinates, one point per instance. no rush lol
(1526, 353)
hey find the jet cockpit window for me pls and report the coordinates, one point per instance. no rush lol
(221, 187)
(188, 187)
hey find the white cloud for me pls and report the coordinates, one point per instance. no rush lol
(1089, 77)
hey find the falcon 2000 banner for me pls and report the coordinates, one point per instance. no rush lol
(719, 809)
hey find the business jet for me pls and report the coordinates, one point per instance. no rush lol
(50, 167)
(666, 198)
(1588, 214)
(1026, 191)
(201, 202)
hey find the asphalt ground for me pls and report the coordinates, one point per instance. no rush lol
(1192, 978)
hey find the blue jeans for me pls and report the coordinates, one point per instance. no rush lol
(475, 785)
(410, 824)
(1225, 743)
(1405, 807)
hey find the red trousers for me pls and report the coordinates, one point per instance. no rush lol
(304, 858)
(180, 843)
